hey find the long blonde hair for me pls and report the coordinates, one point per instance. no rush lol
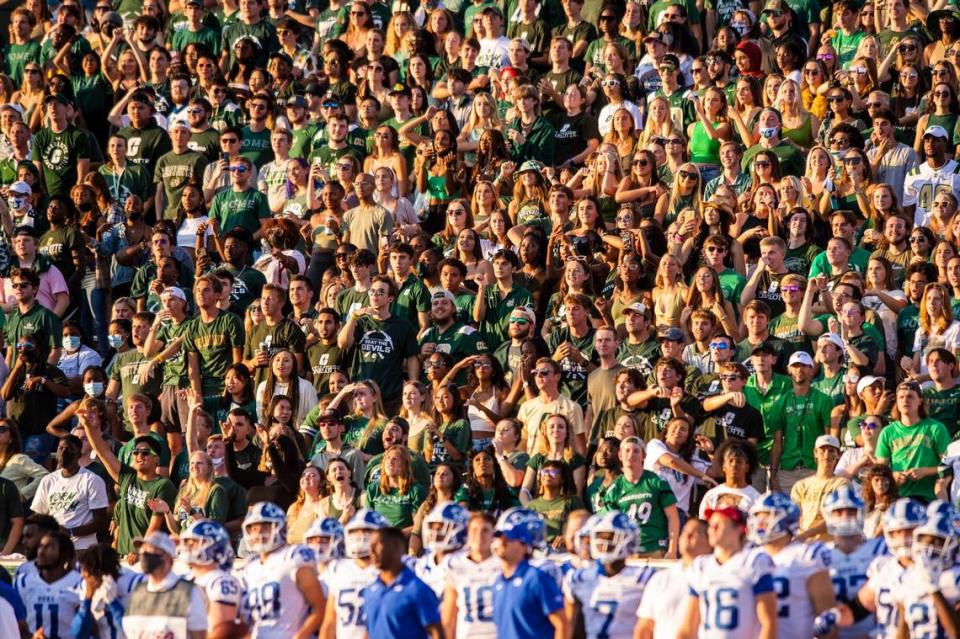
(474, 122)
(652, 130)
(405, 479)
(543, 445)
(197, 492)
(379, 414)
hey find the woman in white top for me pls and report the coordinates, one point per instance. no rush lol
(670, 456)
(937, 327)
(194, 222)
(882, 296)
(738, 460)
(76, 356)
(486, 403)
(283, 379)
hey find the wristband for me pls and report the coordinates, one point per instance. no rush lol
(158, 359)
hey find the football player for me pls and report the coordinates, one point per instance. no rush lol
(51, 594)
(801, 578)
(467, 605)
(601, 600)
(325, 536)
(927, 594)
(876, 596)
(731, 589)
(444, 532)
(205, 548)
(283, 597)
(850, 553)
(345, 578)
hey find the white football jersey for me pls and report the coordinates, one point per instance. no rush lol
(344, 579)
(794, 564)
(848, 572)
(109, 627)
(474, 584)
(919, 609)
(50, 606)
(882, 576)
(608, 604)
(431, 572)
(221, 587)
(272, 600)
(665, 601)
(727, 593)
(548, 566)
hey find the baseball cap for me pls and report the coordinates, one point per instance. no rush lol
(527, 313)
(826, 440)
(62, 99)
(21, 187)
(775, 5)
(936, 131)
(801, 357)
(112, 17)
(656, 36)
(763, 347)
(400, 89)
(530, 165)
(867, 380)
(495, 10)
(150, 441)
(297, 101)
(174, 291)
(159, 540)
(670, 333)
(636, 307)
(720, 53)
(833, 338)
(196, 2)
(179, 123)
(25, 230)
(443, 294)
(732, 513)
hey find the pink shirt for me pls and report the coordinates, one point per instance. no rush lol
(51, 283)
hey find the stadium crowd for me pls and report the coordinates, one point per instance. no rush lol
(499, 318)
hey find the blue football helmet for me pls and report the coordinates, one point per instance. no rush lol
(206, 543)
(782, 518)
(935, 540)
(613, 537)
(581, 541)
(844, 498)
(521, 524)
(358, 533)
(325, 536)
(445, 527)
(265, 512)
(904, 514)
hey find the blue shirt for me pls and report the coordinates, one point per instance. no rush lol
(523, 603)
(403, 609)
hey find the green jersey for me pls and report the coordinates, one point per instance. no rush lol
(213, 342)
(126, 371)
(205, 35)
(458, 340)
(174, 368)
(39, 322)
(131, 180)
(642, 356)
(919, 446)
(767, 403)
(324, 361)
(58, 154)
(232, 208)
(645, 502)
(174, 170)
(255, 146)
(132, 514)
(499, 307)
(804, 419)
(146, 146)
(380, 351)
(16, 57)
(399, 508)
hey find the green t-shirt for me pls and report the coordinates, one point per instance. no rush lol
(766, 403)
(944, 407)
(232, 208)
(130, 181)
(908, 321)
(146, 146)
(398, 508)
(58, 246)
(126, 370)
(497, 319)
(919, 446)
(58, 154)
(174, 170)
(247, 286)
(255, 146)
(555, 512)
(804, 419)
(174, 368)
(16, 57)
(412, 298)
(380, 350)
(39, 322)
(457, 433)
(205, 35)
(132, 514)
(645, 502)
(284, 334)
(324, 361)
(206, 143)
(214, 343)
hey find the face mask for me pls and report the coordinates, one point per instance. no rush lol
(93, 389)
(115, 341)
(150, 561)
(18, 202)
(768, 132)
(740, 28)
(218, 461)
(71, 342)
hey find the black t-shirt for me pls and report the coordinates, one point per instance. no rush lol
(745, 422)
(572, 133)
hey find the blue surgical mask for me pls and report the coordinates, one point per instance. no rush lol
(71, 342)
(115, 341)
(768, 131)
(93, 389)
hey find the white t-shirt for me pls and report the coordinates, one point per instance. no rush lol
(680, 483)
(8, 620)
(187, 233)
(69, 500)
(665, 601)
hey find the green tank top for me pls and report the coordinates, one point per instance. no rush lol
(703, 149)
(948, 122)
(437, 187)
(802, 135)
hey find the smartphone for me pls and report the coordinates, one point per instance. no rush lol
(225, 157)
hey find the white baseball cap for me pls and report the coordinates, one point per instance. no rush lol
(21, 187)
(827, 440)
(936, 131)
(868, 380)
(801, 357)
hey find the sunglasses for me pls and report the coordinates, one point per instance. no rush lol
(576, 258)
(239, 168)
(32, 71)
(811, 71)
(433, 364)
(854, 161)
(142, 452)
(330, 104)
(519, 320)
(903, 48)
(4, 429)
(825, 57)
(839, 141)
(791, 288)
(730, 378)
(916, 239)
(542, 372)
(762, 164)
(673, 141)
(550, 472)
(869, 426)
(836, 98)
(941, 94)
(666, 68)
(719, 346)
(715, 249)
(20, 285)
(874, 105)
(641, 162)
(908, 76)
(859, 70)
(687, 175)
(229, 140)
(610, 83)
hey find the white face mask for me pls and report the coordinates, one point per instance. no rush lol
(740, 27)
(17, 202)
